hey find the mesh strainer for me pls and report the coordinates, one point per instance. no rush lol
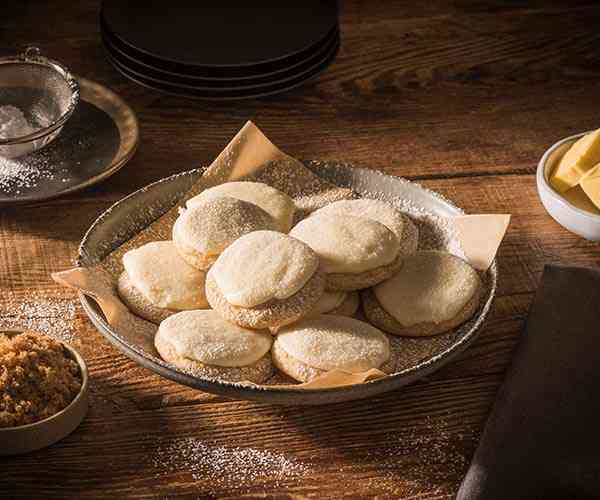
(46, 94)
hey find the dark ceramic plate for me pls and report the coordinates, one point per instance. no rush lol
(98, 139)
(225, 93)
(118, 224)
(209, 74)
(196, 79)
(224, 34)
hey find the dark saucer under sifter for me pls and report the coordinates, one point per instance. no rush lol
(98, 139)
(220, 50)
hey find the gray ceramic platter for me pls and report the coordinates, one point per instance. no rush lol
(114, 227)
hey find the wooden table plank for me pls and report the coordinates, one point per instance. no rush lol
(122, 388)
(424, 417)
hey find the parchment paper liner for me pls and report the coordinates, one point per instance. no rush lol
(251, 156)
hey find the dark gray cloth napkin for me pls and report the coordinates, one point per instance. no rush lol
(542, 439)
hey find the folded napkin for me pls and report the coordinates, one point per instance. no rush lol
(542, 439)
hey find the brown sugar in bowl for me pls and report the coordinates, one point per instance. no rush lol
(34, 436)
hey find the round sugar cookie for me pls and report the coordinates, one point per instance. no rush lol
(138, 304)
(157, 282)
(337, 303)
(265, 279)
(432, 293)
(205, 345)
(202, 232)
(276, 203)
(316, 345)
(383, 212)
(355, 252)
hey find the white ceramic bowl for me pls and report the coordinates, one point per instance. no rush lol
(574, 219)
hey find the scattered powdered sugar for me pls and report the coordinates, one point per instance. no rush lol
(20, 171)
(27, 172)
(52, 316)
(426, 458)
(224, 467)
(16, 176)
(415, 458)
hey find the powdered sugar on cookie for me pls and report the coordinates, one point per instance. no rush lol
(431, 286)
(329, 342)
(277, 204)
(211, 226)
(203, 336)
(163, 277)
(348, 244)
(261, 266)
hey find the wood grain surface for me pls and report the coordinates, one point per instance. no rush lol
(463, 96)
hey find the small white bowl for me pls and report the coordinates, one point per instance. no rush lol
(576, 220)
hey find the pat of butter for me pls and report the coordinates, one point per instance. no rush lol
(577, 161)
(576, 196)
(591, 185)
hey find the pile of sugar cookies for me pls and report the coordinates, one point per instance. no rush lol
(240, 290)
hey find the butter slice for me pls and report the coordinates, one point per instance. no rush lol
(577, 161)
(591, 185)
(576, 196)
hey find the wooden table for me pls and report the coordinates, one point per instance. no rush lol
(461, 97)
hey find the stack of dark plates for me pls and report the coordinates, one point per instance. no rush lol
(220, 50)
